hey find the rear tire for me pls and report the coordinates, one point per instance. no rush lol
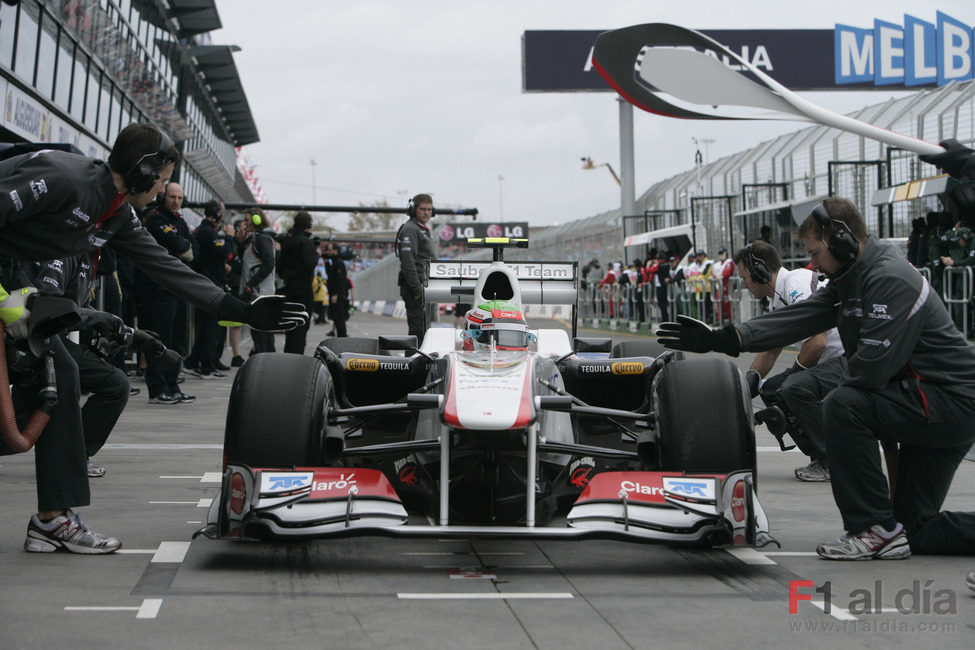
(276, 413)
(704, 417)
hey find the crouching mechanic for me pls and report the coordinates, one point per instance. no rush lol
(53, 205)
(909, 378)
(760, 268)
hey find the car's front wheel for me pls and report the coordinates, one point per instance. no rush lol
(704, 417)
(276, 413)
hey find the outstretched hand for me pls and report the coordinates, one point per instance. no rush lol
(692, 335)
(275, 314)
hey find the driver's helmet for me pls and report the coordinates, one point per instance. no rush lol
(497, 320)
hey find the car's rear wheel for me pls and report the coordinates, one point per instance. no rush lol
(276, 413)
(703, 417)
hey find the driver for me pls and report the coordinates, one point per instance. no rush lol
(497, 321)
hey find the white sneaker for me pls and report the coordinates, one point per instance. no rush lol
(876, 543)
(67, 532)
(814, 472)
(94, 471)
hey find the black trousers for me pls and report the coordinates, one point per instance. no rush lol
(108, 393)
(338, 309)
(934, 430)
(208, 341)
(294, 339)
(803, 394)
(662, 303)
(161, 311)
(60, 460)
(416, 316)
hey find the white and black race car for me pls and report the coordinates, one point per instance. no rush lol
(492, 430)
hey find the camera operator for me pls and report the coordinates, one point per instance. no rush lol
(55, 204)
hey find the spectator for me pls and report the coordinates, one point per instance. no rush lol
(338, 289)
(721, 271)
(960, 254)
(661, 282)
(84, 204)
(236, 236)
(211, 263)
(760, 268)
(297, 268)
(166, 312)
(318, 289)
(257, 271)
(414, 246)
(909, 378)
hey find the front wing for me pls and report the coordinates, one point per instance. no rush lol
(321, 502)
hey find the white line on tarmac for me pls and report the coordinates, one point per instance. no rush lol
(136, 551)
(835, 612)
(204, 503)
(791, 553)
(487, 596)
(171, 552)
(148, 609)
(212, 477)
(749, 556)
(173, 503)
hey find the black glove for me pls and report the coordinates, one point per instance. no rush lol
(692, 335)
(752, 380)
(267, 313)
(101, 322)
(957, 160)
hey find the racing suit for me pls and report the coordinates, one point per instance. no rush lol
(910, 378)
(414, 247)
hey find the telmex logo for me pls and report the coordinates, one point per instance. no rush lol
(362, 365)
(627, 368)
(916, 53)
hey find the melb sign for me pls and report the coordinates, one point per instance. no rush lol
(886, 55)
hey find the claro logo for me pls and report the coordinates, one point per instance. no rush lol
(627, 368)
(362, 365)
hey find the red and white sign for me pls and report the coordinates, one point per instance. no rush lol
(336, 482)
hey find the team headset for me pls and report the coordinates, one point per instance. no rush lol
(842, 244)
(143, 175)
(756, 266)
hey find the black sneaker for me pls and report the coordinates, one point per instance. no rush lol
(69, 533)
(183, 398)
(220, 366)
(134, 391)
(237, 361)
(164, 398)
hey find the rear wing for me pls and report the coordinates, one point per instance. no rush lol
(541, 283)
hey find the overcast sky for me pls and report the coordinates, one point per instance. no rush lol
(392, 98)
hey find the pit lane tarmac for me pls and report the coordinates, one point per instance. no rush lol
(163, 466)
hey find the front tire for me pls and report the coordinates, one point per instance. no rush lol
(704, 418)
(276, 413)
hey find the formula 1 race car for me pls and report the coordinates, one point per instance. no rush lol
(492, 430)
